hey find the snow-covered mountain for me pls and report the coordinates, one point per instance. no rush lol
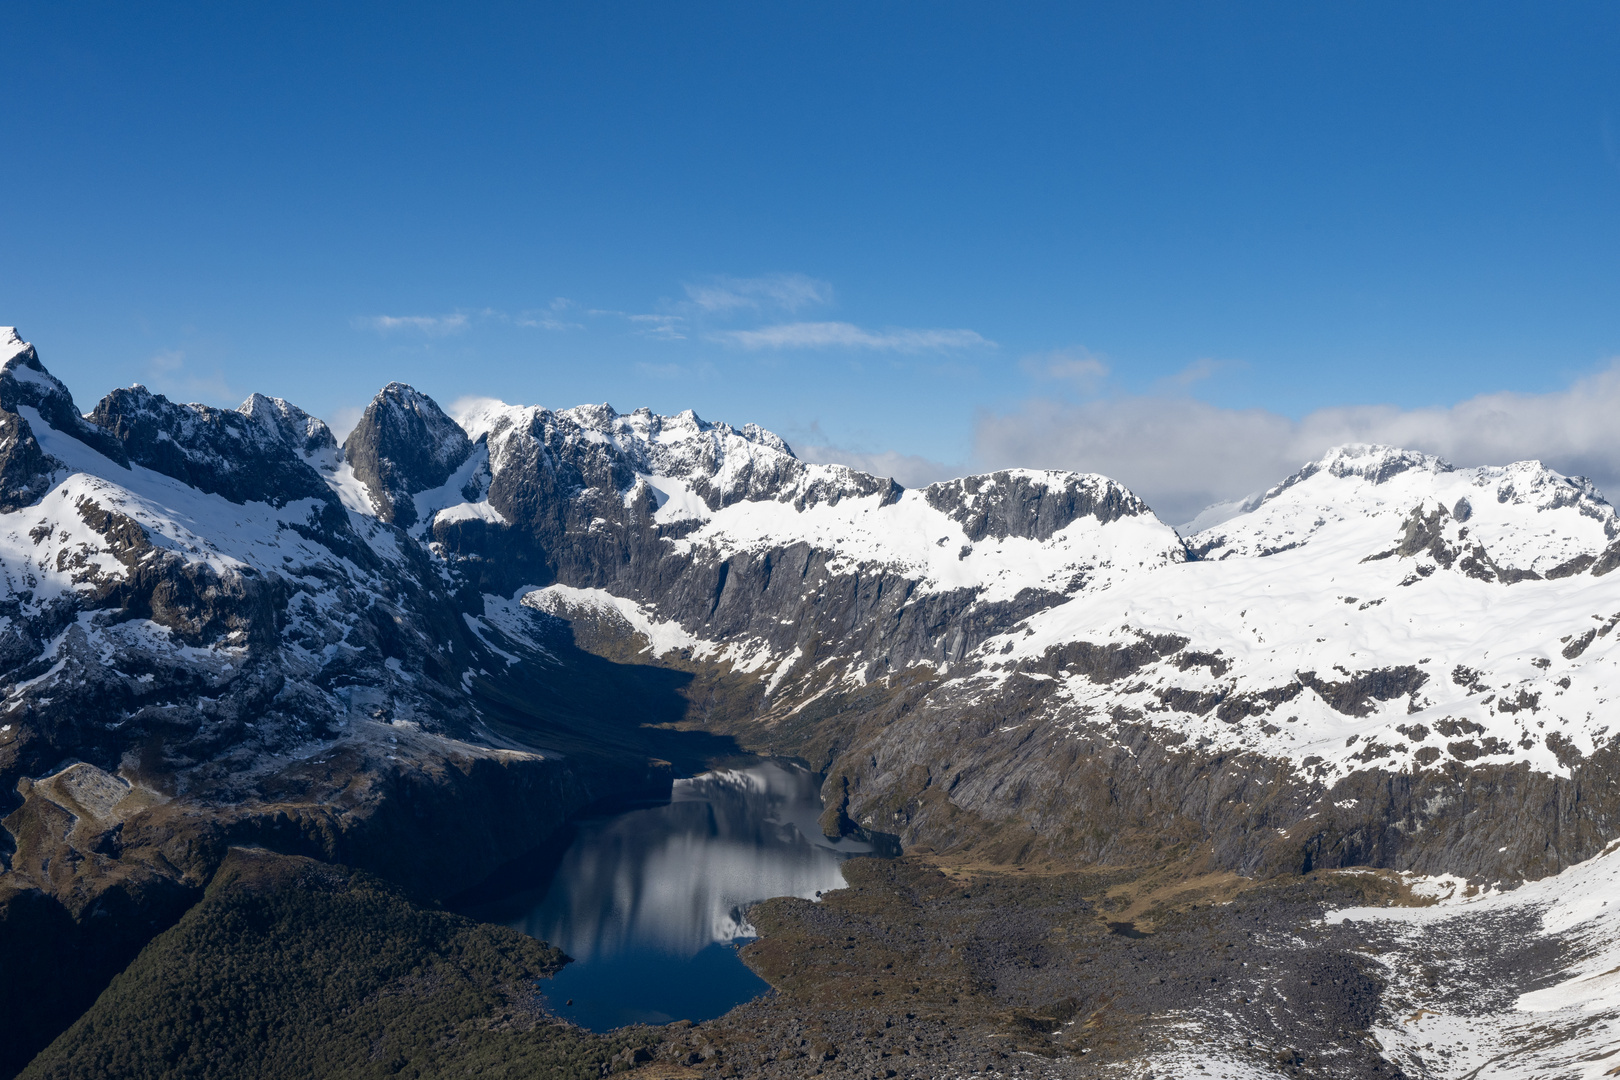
(223, 617)
(1377, 610)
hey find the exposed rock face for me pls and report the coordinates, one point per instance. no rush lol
(1030, 504)
(635, 504)
(258, 453)
(25, 471)
(404, 444)
(187, 620)
(588, 496)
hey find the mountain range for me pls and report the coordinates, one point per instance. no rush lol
(421, 652)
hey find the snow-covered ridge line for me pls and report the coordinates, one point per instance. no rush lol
(1380, 609)
(943, 551)
(717, 463)
(1527, 516)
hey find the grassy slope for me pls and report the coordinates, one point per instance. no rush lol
(293, 968)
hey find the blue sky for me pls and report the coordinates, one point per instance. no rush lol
(1180, 243)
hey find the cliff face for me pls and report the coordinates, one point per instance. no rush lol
(208, 637)
(404, 444)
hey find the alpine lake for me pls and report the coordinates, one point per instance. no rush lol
(650, 901)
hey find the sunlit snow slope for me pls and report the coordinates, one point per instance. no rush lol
(1455, 1010)
(1377, 608)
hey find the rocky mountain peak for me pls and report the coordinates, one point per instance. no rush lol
(1518, 520)
(287, 423)
(1421, 667)
(26, 384)
(1372, 462)
(242, 454)
(11, 343)
(404, 444)
(1031, 503)
(685, 427)
(597, 448)
(1375, 462)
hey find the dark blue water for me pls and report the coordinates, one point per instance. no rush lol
(651, 903)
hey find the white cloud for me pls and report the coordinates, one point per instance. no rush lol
(788, 292)
(663, 327)
(821, 335)
(344, 420)
(432, 325)
(1182, 455)
(170, 376)
(1075, 365)
(1198, 371)
(165, 362)
(660, 371)
(551, 317)
(911, 470)
(462, 409)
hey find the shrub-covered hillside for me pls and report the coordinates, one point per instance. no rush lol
(293, 968)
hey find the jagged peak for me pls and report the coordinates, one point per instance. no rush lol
(1377, 463)
(401, 400)
(1032, 502)
(25, 382)
(755, 433)
(269, 419)
(723, 464)
(1049, 478)
(11, 344)
(596, 417)
(256, 453)
(404, 444)
(283, 420)
(1524, 517)
(1521, 482)
(1529, 481)
(645, 424)
(1533, 481)
(407, 412)
(750, 463)
(22, 364)
(404, 395)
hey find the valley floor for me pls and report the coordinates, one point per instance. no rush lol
(924, 967)
(927, 970)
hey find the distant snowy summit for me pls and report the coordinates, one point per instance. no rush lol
(1516, 521)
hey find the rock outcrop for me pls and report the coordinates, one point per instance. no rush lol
(404, 444)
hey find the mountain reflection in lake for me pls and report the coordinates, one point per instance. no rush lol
(650, 903)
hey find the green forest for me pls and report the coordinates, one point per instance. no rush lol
(293, 968)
